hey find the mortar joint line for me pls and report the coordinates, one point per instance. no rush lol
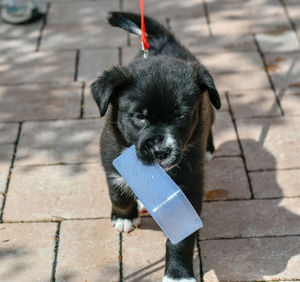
(200, 258)
(10, 171)
(291, 22)
(121, 256)
(207, 17)
(240, 144)
(82, 101)
(265, 65)
(77, 58)
(54, 264)
(40, 36)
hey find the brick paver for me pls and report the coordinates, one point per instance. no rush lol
(270, 143)
(250, 218)
(27, 251)
(80, 145)
(272, 184)
(225, 139)
(168, 8)
(94, 245)
(8, 132)
(40, 102)
(38, 67)
(221, 63)
(77, 36)
(90, 107)
(82, 12)
(251, 259)
(50, 192)
(284, 69)
(92, 63)
(54, 203)
(225, 178)
(283, 41)
(254, 103)
(148, 239)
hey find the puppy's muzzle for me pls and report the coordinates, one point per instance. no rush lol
(155, 149)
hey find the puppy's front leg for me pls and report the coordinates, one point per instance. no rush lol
(179, 260)
(124, 213)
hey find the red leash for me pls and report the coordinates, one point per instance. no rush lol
(144, 42)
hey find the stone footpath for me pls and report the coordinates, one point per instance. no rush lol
(54, 205)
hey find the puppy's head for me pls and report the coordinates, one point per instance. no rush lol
(155, 105)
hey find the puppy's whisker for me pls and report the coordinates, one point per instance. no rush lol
(188, 163)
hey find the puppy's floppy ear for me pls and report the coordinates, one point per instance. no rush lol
(108, 85)
(206, 82)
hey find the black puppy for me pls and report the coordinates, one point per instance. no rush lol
(162, 105)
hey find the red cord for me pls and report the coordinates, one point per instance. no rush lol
(143, 30)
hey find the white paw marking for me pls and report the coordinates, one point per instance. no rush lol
(169, 279)
(141, 207)
(126, 225)
(208, 156)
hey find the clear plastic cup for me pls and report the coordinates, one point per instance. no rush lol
(160, 195)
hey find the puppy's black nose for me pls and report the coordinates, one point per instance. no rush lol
(161, 152)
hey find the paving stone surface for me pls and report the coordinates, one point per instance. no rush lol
(254, 103)
(78, 36)
(18, 45)
(225, 43)
(270, 143)
(242, 81)
(94, 245)
(232, 17)
(289, 101)
(8, 132)
(8, 31)
(284, 69)
(225, 178)
(82, 12)
(221, 63)
(92, 63)
(251, 259)
(27, 251)
(148, 239)
(190, 31)
(251, 204)
(90, 107)
(225, 139)
(128, 53)
(250, 218)
(40, 102)
(55, 192)
(6, 154)
(69, 141)
(168, 8)
(271, 184)
(38, 67)
(283, 41)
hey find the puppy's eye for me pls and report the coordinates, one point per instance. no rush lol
(182, 118)
(139, 119)
(139, 116)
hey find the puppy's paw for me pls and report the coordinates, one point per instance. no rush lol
(169, 279)
(126, 225)
(208, 156)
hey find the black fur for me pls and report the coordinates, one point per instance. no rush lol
(162, 105)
